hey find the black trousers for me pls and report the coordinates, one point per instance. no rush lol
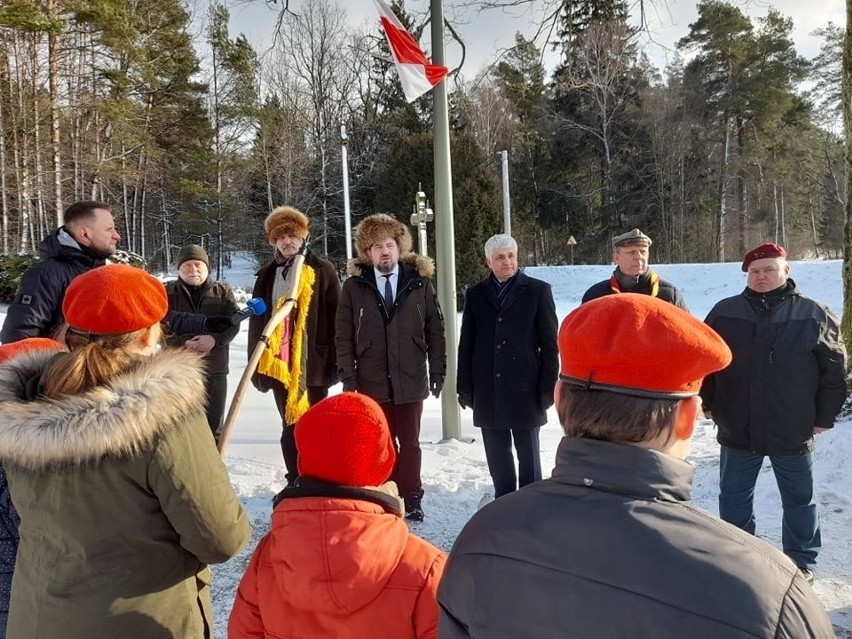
(288, 439)
(501, 462)
(404, 424)
(217, 393)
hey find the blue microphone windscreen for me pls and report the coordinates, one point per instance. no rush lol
(257, 305)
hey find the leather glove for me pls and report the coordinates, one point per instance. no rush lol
(217, 323)
(465, 400)
(436, 383)
(349, 386)
(260, 382)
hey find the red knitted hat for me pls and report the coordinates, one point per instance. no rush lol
(10, 351)
(344, 439)
(114, 299)
(762, 252)
(638, 345)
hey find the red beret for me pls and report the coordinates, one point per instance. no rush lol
(762, 252)
(114, 299)
(344, 439)
(638, 345)
(12, 350)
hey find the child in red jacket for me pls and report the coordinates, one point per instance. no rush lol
(339, 560)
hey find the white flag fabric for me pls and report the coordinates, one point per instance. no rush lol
(416, 73)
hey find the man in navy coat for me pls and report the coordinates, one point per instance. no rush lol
(508, 363)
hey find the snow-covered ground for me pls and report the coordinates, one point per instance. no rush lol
(455, 475)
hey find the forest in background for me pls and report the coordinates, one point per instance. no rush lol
(739, 141)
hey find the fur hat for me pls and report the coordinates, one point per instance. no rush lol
(193, 252)
(12, 350)
(344, 439)
(285, 220)
(638, 345)
(762, 252)
(376, 228)
(114, 299)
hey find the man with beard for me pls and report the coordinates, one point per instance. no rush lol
(633, 274)
(298, 363)
(86, 239)
(785, 385)
(389, 325)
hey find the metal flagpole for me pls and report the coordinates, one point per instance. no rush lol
(444, 234)
(344, 159)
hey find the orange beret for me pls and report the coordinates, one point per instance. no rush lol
(114, 299)
(638, 345)
(762, 252)
(13, 349)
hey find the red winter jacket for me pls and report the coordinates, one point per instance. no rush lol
(343, 568)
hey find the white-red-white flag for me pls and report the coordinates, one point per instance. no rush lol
(416, 73)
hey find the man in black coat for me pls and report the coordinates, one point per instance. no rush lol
(611, 545)
(787, 383)
(508, 364)
(86, 239)
(633, 273)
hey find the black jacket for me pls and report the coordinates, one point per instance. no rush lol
(508, 359)
(322, 364)
(666, 291)
(787, 376)
(36, 310)
(216, 298)
(383, 354)
(610, 546)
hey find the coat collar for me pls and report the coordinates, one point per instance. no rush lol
(518, 289)
(622, 469)
(117, 420)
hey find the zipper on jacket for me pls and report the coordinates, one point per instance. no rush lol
(420, 312)
(358, 329)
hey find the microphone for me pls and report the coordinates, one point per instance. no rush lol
(255, 306)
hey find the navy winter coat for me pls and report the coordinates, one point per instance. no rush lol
(508, 359)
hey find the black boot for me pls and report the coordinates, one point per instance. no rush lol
(413, 509)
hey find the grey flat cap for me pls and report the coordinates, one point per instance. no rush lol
(634, 237)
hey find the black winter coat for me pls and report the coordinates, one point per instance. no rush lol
(508, 358)
(667, 291)
(8, 548)
(787, 376)
(217, 298)
(322, 363)
(610, 546)
(384, 355)
(36, 310)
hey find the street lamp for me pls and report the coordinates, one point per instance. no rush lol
(421, 215)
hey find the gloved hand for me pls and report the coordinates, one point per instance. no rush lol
(436, 383)
(546, 400)
(465, 400)
(260, 382)
(217, 323)
(349, 386)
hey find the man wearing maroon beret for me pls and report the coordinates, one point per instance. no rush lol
(610, 545)
(785, 385)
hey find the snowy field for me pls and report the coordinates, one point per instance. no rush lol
(455, 475)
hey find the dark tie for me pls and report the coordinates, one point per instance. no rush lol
(388, 292)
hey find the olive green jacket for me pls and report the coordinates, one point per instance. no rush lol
(123, 502)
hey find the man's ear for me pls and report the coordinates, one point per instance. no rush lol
(685, 416)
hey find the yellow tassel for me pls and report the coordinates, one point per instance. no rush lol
(270, 365)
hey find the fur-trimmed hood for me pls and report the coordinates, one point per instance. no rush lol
(424, 265)
(117, 420)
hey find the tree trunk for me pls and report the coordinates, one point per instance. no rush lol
(53, 82)
(723, 189)
(846, 320)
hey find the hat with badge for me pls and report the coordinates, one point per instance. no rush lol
(631, 238)
(763, 252)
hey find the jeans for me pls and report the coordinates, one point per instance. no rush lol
(501, 462)
(738, 471)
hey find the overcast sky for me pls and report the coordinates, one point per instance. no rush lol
(489, 32)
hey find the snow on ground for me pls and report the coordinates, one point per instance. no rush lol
(455, 475)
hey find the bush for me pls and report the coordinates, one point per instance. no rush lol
(12, 267)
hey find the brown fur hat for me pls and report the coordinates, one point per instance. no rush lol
(376, 228)
(285, 220)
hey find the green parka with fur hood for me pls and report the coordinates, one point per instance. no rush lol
(123, 502)
(383, 353)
